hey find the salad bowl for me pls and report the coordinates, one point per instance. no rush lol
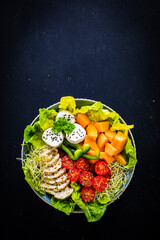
(79, 103)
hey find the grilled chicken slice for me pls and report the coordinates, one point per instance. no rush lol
(58, 180)
(53, 169)
(57, 174)
(64, 193)
(48, 153)
(52, 161)
(56, 187)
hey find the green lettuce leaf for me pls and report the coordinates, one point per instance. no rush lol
(96, 211)
(46, 117)
(93, 210)
(122, 127)
(94, 107)
(67, 205)
(103, 198)
(129, 153)
(96, 113)
(67, 103)
(33, 135)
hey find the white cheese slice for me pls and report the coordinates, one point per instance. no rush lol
(77, 135)
(52, 139)
(66, 115)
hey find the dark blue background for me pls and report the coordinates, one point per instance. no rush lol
(103, 50)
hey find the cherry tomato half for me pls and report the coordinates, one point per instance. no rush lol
(82, 164)
(101, 167)
(73, 174)
(99, 183)
(86, 178)
(67, 162)
(88, 194)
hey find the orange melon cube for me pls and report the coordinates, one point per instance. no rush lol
(102, 126)
(111, 150)
(83, 120)
(102, 140)
(119, 141)
(120, 159)
(102, 149)
(102, 155)
(91, 131)
(91, 143)
(110, 135)
(106, 157)
(92, 153)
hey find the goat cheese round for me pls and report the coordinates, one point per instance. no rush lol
(51, 138)
(77, 135)
(66, 115)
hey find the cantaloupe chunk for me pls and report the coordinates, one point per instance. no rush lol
(91, 131)
(92, 153)
(119, 141)
(120, 159)
(92, 161)
(102, 154)
(91, 143)
(102, 140)
(83, 120)
(102, 149)
(106, 157)
(102, 126)
(111, 150)
(110, 135)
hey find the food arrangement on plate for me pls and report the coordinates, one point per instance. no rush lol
(79, 156)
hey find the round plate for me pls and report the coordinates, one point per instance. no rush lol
(79, 103)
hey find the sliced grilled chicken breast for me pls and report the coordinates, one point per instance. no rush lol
(64, 193)
(54, 168)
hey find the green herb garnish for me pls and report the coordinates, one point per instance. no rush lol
(62, 124)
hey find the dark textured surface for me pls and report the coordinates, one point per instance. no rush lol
(102, 50)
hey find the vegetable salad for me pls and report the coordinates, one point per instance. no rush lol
(80, 157)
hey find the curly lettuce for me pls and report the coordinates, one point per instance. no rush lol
(33, 133)
(67, 103)
(92, 210)
(46, 117)
(129, 153)
(66, 205)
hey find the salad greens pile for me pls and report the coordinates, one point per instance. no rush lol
(96, 112)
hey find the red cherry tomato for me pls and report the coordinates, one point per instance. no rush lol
(73, 174)
(99, 183)
(82, 164)
(101, 167)
(67, 162)
(88, 194)
(85, 178)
